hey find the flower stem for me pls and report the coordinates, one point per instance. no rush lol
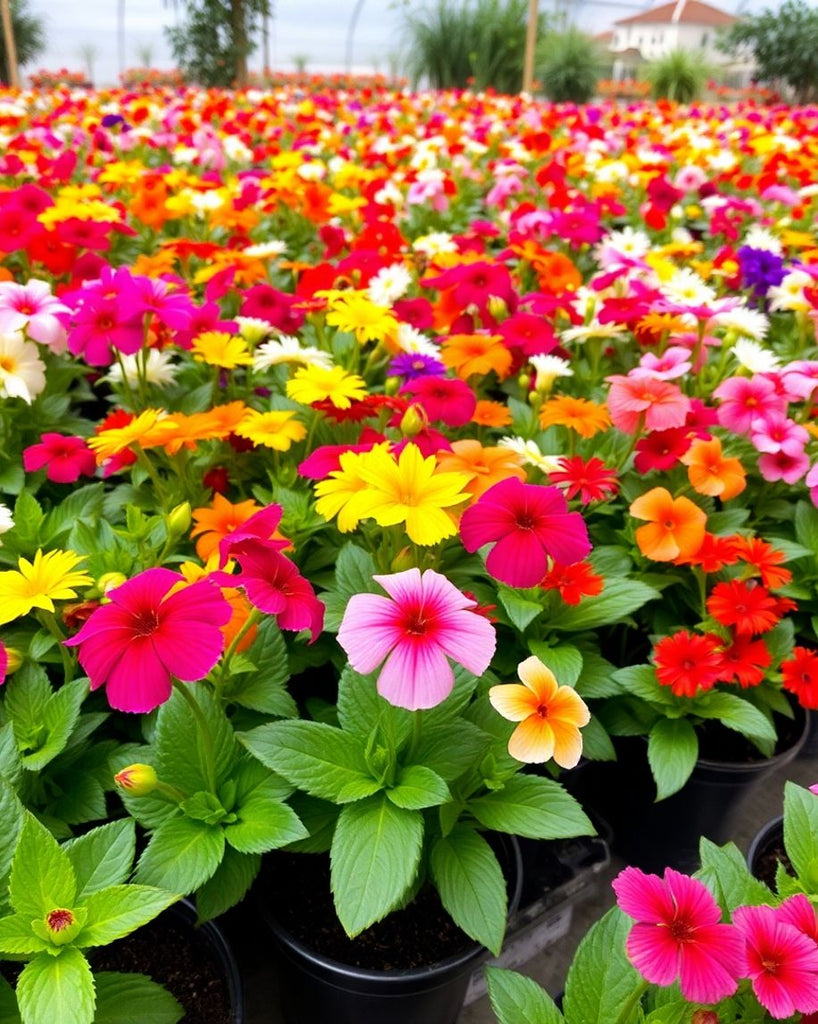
(626, 1012)
(50, 623)
(207, 752)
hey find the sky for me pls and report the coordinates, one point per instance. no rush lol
(314, 29)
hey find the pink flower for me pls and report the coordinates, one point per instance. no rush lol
(812, 483)
(33, 307)
(4, 662)
(674, 362)
(259, 527)
(778, 433)
(450, 400)
(678, 934)
(800, 378)
(781, 466)
(66, 459)
(746, 399)
(653, 403)
(529, 523)
(152, 629)
(424, 621)
(780, 959)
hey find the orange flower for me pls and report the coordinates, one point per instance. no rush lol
(476, 353)
(485, 466)
(213, 524)
(712, 473)
(765, 559)
(241, 607)
(491, 414)
(557, 274)
(550, 716)
(579, 414)
(676, 526)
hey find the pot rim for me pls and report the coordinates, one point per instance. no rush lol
(773, 826)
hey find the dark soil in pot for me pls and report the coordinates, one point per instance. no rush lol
(767, 852)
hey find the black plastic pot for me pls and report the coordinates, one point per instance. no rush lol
(768, 840)
(315, 989)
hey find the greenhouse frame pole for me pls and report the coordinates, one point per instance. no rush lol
(530, 44)
(11, 48)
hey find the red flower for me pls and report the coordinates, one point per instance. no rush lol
(746, 606)
(661, 449)
(592, 480)
(449, 400)
(573, 581)
(744, 661)
(800, 676)
(714, 554)
(66, 459)
(766, 559)
(688, 662)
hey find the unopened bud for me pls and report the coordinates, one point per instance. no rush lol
(391, 385)
(60, 925)
(497, 306)
(403, 560)
(137, 779)
(179, 519)
(705, 1017)
(525, 383)
(110, 581)
(14, 660)
(413, 421)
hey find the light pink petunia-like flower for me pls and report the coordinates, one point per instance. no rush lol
(781, 958)
(778, 433)
(424, 621)
(744, 399)
(647, 401)
(678, 934)
(32, 307)
(149, 632)
(781, 466)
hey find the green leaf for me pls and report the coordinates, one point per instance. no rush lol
(134, 999)
(806, 525)
(57, 989)
(596, 743)
(10, 767)
(469, 879)
(601, 980)
(9, 1011)
(451, 749)
(801, 833)
(103, 856)
(596, 680)
(418, 787)
(521, 612)
(354, 572)
(264, 824)
(564, 661)
(361, 709)
(516, 999)
(779, 641)
(724, 871)
(17, 937)
(265, 688)
(534, 807)
(319, 818)
(740, 715)
(41, 874)
(28, 518)
(229, 884)
(58, 717)
(25, 695)
(641, 681)
(181, 855)
(677, 1012)
(120, 910)
(375, 856)
(11, 816)
(673, 749)
(315, 757)
(619, 599)
(179, 761)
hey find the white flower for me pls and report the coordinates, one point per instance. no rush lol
(686, 288)
(203, 202)
(253, 329)
(760, 238)
(410, 339)
(754, 357)
(548, 368)
(530, 453)
(236, 150)
(6, 519)
(747, 322)
(627, 242)
(593, 330)
(389, 284)
(315, 170)
(287, 349)
(159, 369)
(267, 250)
(435, 242)
(790, 293)
(22, 372)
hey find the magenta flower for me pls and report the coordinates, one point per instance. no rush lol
(778, 433)
(66, 459)
(445, 399)
(529, 523)
(424, 621)
(780, 959)
(149, 632)
(781, 466)
(33, 307)
(260, 527)
(678, 934)
(4, 662)
(744, 399)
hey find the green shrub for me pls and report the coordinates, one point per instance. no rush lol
(678, 76)
(568, 66)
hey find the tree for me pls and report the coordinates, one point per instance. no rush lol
(784, 43)
(212, 43)
(29, 37)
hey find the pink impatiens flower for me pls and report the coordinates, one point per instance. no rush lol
(32, 307)
(678, 934)
(781, 957)
(424, 621)
(746, 399)
(529, 523)
(152, 629)
(647, 401)
(65, 459)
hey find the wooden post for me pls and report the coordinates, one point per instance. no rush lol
(530, 44)
(11, 49)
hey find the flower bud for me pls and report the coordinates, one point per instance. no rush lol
(110, 581)
(705, 1017)
(403, 560)
(497, 306)
(137, 779)
(15, 660)
(413, 421)
(178, 521)
(391, 385)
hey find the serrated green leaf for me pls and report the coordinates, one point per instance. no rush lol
(534, 807)
(801, 833)
(9, 1011)
(673, 749)
(134, 999)
(28, 518)
(596, 743)
(469, 879)
(58, 717)
(315, 757)
(10, 767)
(374, 860)
(229, 884)
(361, 709)
(57, 989)
(521, 612)
(601, 980)
(451, 750)
(264, 688)
(42, 877)
(119, 910)
(641, 681)
(25, 695)
(596, 680)
(17, 937)
(11, 815)
(418, 787)
(564, 661)
(779, 641)
(180, 761)
(102, 857)
(739, 715)
(354, 572)
(516, 999)
(724, 871)
(181, 856)
(264, 824)
(619, 599)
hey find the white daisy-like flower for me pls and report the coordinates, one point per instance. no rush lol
(253, 329)
(760, 238)
(530, 453)
(410, 339)
(22, 372)
(548, 368)
(267, 250)
(159, 369)
(315, 170)
(744, 321)
(593, 330)
(754, 357)
(435, 242)
(287, 349)
(627, 242)
(686, 288)
(236, 150)
(6, 519)
(389, 284)
(206, 202)
(790, 293)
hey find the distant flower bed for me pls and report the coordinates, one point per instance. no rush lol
(44, 79)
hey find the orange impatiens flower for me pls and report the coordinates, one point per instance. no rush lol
(581, 415)
(491, 414)
(550, 716)
(485, 466)
(215, 523)
(712, 473)
(467, 354)
(675, 526)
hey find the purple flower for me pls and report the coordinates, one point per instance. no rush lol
(414, 364)
(760, 269)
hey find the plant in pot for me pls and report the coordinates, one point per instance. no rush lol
(783, 852)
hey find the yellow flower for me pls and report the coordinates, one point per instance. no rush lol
(117, 439)
(277, 429)
(355, 313)
(340, 494)
(221, 349)
(409, 490)
(317, 384)
(38, 584)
